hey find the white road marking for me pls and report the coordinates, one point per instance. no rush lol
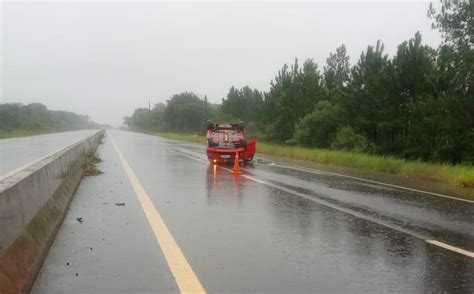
(283, 165)
(452, 248)
(279, 164)
(353, 213)
(254, 179)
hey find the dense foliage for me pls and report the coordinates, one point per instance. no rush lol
(244, 103)
(184, 112)
(418, 104)
(36, 116)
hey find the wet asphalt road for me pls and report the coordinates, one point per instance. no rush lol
(16, 152)
(272, 229)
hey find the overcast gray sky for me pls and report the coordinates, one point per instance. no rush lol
(106, 59)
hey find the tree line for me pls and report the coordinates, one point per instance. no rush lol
(36, 116)
(418, 104)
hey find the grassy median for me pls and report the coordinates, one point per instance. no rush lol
(459, 175)
(24, 133)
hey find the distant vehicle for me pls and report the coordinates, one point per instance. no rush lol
(225, 140)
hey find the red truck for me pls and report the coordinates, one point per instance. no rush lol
(225, 140)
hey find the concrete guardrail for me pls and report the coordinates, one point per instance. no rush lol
(33, 203)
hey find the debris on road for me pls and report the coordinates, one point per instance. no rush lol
(80, 219)
(89, 165)
(120, 204)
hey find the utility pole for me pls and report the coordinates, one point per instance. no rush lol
(149, 112)
(28, 111)
(205, 108)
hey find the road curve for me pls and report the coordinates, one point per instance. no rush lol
(161, 219)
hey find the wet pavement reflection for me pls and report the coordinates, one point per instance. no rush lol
(354, 247)
(242, 235)
(16, 152)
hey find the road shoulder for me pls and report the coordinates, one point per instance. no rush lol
(104, 239)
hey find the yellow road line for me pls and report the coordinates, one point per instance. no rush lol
(184, 275)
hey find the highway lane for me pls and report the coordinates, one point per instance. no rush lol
(273, 228)
(419, 214)
(15, 153)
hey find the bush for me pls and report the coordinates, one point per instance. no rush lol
(317, 129)
(251, 130)
(348, 139)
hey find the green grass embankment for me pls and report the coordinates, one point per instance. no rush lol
(24, 133)
(459, 175)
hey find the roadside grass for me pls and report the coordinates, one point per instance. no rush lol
(182, 137)
(24, 133)
(460, 175)
(89, 165)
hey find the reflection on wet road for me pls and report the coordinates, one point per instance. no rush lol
(273, 228)
(16, 152)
